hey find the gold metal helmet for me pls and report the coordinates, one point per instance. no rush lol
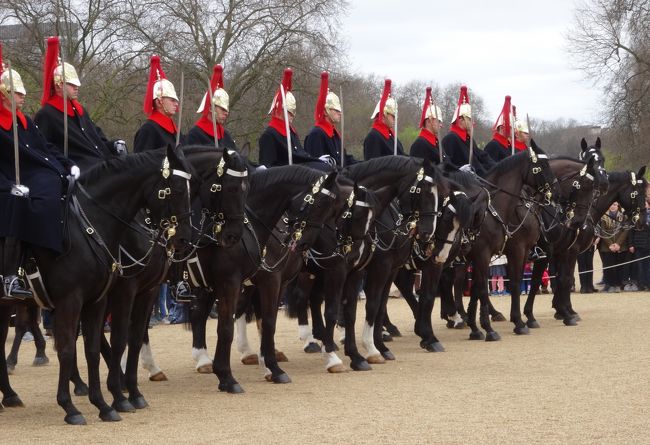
(163, 88)
(71, 75)
(433, 111)
(521, 126)
(332, 102)
(389, 108)
(5, 82)
(463, 109)
(220, 97)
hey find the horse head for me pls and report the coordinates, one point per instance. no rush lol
(633, 198)
(223, 197)
(543, 179)
(584, 190)
(310, 208)
(456, 213)
(594, 152)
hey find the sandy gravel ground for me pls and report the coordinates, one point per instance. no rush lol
(585, 384)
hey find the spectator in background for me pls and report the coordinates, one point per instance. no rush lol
(612, 247)
(640, 248)
(497, 274)
(585, 269)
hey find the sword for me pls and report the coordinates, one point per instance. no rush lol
(214, 118)
(342, 127)
(530, 131)
(16, 189)
(512, 130)
(180, 110)
(286, 123)
(65, 102)
(395, 131)
(440, 151)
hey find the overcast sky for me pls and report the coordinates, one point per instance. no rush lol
(496, 47)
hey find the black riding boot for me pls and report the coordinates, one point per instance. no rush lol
(14, 285)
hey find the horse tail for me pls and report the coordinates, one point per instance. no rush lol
(297, 299)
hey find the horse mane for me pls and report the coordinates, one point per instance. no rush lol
(106, 168)
(194, 148)
(618, 176)
(366, 168)
(464, 211)
(463, 179)
(287, 173)
(566, 158)
(508, 164)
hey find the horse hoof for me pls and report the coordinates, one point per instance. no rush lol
(557, 316)
(376, 359)
(81, 390)
(361, 365)
(394, 331)
(533, 324)
(498, 317)
(249, 360)
(386, 337)
(312, 348)
(570, 322)
(139, 402)
(388, 355)
(280, 357)
(123, 406)
(231, 388)
(11, 370)
(158, 377)
(451, 324)
(204, 369)
(13, 402)
(461, 325)
(337, 369)
(110, 416)
(523, 330)
(435, 346)
(75, 419)
(40, 361)
(282, 378)
(492, 336)
(476, 335)
(577, 317)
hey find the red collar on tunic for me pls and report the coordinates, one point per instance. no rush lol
(459, 131)
(501, 139)
(280, 126)
(164, 121)
(382, 128)
(57, 102)
(327, 127)
(6, 120)
(205, 124)
(520, 146)
(428, 136)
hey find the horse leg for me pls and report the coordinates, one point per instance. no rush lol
(333, 283)
(350, 291)
(516, 260)
(374, 287)
(302, 288)
(92, 322)
(449, 307)
(564, 270)
(227, 296)
(378, 330)
(19, 331)
(458, 284)
(121, 299)
(9, 396)
(535, 281)
(40, 359)
(80, 387)
(66, 323)
(199, 312)
(430, 277)
(404, 282)
(268, 303)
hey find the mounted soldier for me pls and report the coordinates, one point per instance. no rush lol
(522, 135)
(203, 131)
(500, 146)
(274, 141)
(86, 142)
(382, 140)
(30, 189)
(324, 140)
(427, 144)
(459, 139)
(160, 105)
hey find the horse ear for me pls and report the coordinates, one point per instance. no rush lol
(598, 142)
(226, 155)
(331, 178)
(641, 173)
(583, 144)
(245, 150)
(533, 145)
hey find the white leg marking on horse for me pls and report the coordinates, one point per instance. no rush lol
(368, 340)
(243, 346)
(146, 358)
(123, 360)
(331, 358)
(444, 253)
(304, 333)
(201, 357)
(267, 371)
(341, 331)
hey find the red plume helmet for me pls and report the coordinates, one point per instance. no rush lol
(277, 99)
(504, 117)
(319, 112)
(382, 102)
(155, 74)
(427, 104)
(463, 108)
(50, 64)
(216, 82)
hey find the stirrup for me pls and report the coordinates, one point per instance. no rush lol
(183, 293)
(537, 253)
(15, 289)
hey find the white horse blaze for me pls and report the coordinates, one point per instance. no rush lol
(444, 253)
(368, 340)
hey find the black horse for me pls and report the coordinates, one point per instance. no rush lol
(108, 199)
(309, 198)
(629, 190)
(219, 215)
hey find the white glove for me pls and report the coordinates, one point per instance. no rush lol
(75, 172)
(466, 168)
(328, 160)
(260, 167)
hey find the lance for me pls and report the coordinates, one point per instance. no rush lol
(434, 109)
(395, 131)
(286, 123)
(65, 102)
(512, 130)
(530, 131)
(471, 138)
(342, 127)
(180, 110)
(17, 189)
(214, 118)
